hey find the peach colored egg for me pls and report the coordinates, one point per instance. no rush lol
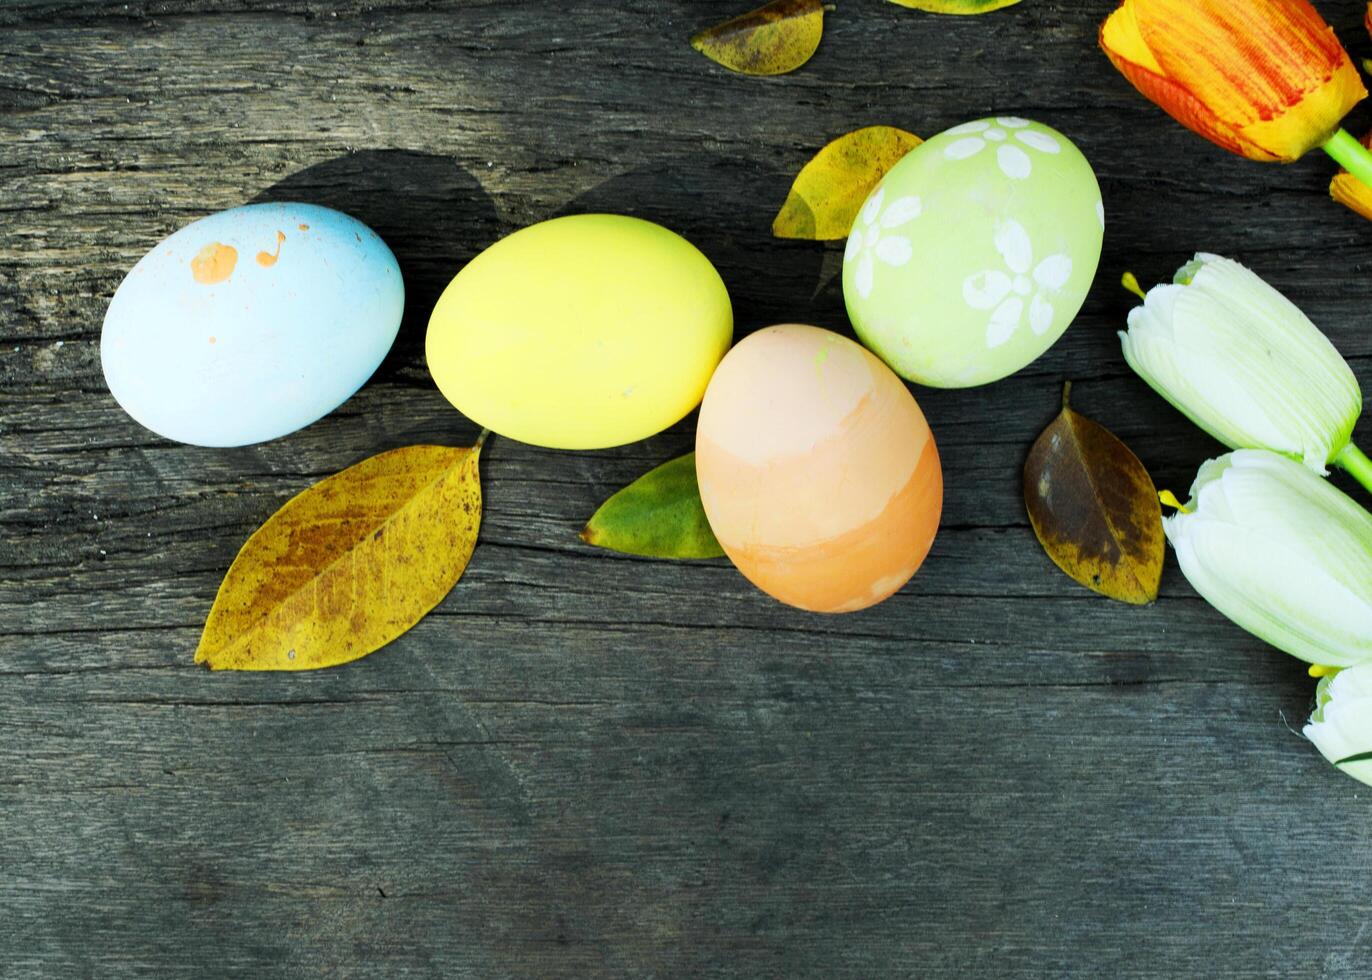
(818, 472)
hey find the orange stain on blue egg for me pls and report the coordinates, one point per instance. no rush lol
(268, 259)
(214, 263)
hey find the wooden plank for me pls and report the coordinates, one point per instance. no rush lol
(585, 764)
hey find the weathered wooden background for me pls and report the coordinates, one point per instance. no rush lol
(590, 765)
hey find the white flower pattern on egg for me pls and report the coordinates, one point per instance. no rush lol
(1007, 292)
(1013, 161)
(873, 241)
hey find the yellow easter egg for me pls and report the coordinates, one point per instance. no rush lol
(580, 333)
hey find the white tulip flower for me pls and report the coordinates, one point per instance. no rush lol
(1341, 725)
(1246, 365)
(1282, 553)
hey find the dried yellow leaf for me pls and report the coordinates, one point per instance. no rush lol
(773, 39)
(348, 565)
(824, 199)
(956, 6)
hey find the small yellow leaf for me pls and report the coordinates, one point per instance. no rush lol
(773, 39)
(956, 6)
(824, 199)
(349, 564)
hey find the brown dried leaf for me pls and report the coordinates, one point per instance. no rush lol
(1094, 508)
(773, 39)
(349, 564)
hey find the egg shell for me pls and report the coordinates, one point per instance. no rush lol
(581, 332)
(975, 252)
(817, 469)
(251, 323)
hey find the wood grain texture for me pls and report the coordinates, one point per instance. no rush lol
(585, 764)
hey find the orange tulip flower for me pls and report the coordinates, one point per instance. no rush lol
(1266, 79)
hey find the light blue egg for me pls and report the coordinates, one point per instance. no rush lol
(251, 323)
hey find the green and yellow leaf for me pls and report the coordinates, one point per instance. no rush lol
(659, 515)
(348, 565)
(773, 39)
(963, 7)
(826, 195)
(1094, 508)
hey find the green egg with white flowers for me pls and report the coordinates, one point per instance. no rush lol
(975, 252)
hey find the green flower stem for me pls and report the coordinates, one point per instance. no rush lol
(1355, 157)
(1355, 463)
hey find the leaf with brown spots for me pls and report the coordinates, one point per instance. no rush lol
(348, 565)
(964, 7)
(825, 198)
(1094, 508)
(773, 39)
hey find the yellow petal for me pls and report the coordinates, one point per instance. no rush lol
(829, 190)
(771, 40)
(349, 564)
(1120, 35)
(1313, 120)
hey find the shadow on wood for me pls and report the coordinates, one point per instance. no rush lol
(434, 215)
(724, 206)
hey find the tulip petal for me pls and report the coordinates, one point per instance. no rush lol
(1135, 62)
(1120, 36)
(1351, 193)
(1341, 725)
